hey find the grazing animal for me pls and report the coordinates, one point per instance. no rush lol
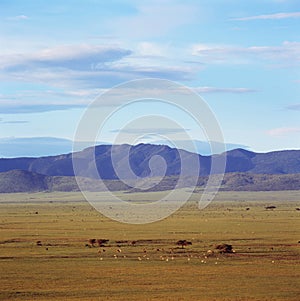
(225, 248)
(270, 207)
(92, 241)
(210, 252)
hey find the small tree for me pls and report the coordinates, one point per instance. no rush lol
(183, 243)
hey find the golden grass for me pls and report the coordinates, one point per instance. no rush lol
(265, 265)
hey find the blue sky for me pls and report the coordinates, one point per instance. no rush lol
(242, 57)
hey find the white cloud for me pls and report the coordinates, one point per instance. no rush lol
(286, 53)
(76, 57)
(283, 131)
(277, 16)
(18, 18)
(14, 122)
(224, 90)
(151, 49)
(157, 131)
(29, 101)
(89, 66)
(62, 99)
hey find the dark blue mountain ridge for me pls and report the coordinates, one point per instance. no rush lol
(238, 160)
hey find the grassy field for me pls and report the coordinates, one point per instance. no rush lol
(45, 252)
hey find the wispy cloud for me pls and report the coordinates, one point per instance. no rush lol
(283, 131)
(276, 16)
(73, 57)
(156, 131)
(44, 101)
(295, 107)
(288, 53)
(150, 49)
(18, 18)
(88, 66)
(67, 66)
(28, 108)
(14, 122)
(3, 121)
(224, 90)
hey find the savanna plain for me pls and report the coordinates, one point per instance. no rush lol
(51, 249)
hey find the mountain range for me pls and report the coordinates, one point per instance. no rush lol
(243, 168)
(238, 160)
(12, 147)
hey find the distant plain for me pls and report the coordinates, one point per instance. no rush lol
(45, 253)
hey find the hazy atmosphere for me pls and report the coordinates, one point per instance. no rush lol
(242, 57)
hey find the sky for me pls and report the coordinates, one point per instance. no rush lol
(241, 57)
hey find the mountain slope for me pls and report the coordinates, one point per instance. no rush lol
(146, 160)
(24, 181)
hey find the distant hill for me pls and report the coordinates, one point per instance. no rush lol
(25, 181)
(279, 162)
(22, 181)
(238, 160)
(260, 182)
